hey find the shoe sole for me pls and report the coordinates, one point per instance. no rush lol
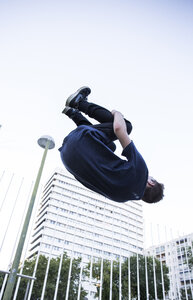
(65, 110)
(85, 91)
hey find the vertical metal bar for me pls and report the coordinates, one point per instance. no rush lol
(58, 277)
(27, 290)
(111, 281)
(9, 221)
(161, 264)
(154, 278)
(129, 267)
(183, 267)
(101, 280)
(111, 271)
(6, 192)
(80, 281)
(20, 225)
(45, 279)
(189, 270)
(120, 282)
(146, 278)
(48, 263)
(138, 281)
(175, 249)
(129, 278)
(90, 277)
(3, 285)
(69, 275)
(146, 268)
(154, 273)
(17, 287)
(34, 273)
(120, 261)
(101, 273)
(32, 281)
(2, 175)
(15, 265)
(19, 278)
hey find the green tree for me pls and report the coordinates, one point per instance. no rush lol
(106, 278)
(52, 277)
(2, 275)
(133, 275)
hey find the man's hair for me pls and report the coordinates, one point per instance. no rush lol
(154, 194)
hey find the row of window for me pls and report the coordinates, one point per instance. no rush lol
(64, 179)
(73, 210)
(91, 237)
(85, 249)
(85, 241)
(93, 214)
(94, 203)
(75, 187)
(104, 232)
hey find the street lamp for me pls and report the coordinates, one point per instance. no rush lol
(45, 142)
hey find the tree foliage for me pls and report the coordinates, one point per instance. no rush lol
(131, 264)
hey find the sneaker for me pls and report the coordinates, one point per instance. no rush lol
(69, 111)
(80, 94)
(65, 110)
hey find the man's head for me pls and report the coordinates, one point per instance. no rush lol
(154, 191)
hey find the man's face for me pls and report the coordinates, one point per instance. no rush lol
(151, 181)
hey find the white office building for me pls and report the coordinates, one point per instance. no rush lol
(73, 218)
(176, 254)
(85, 224)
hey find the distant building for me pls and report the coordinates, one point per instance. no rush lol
(83, 223)
(176, 254)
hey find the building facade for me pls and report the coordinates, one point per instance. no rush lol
(73, 219)
(177, 255)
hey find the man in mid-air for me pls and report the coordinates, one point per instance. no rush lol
(88, 153)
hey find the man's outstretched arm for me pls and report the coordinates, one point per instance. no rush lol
(120, 129)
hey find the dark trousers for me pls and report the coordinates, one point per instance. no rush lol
(100, 114)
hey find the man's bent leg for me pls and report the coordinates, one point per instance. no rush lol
(79, 119)
(99, 113)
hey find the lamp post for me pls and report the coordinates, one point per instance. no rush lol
(45, 142)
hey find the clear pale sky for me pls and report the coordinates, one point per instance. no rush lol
(137, 57)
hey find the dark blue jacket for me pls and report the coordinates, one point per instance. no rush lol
(86, 156)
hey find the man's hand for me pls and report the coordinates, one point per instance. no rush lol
(120, 128)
